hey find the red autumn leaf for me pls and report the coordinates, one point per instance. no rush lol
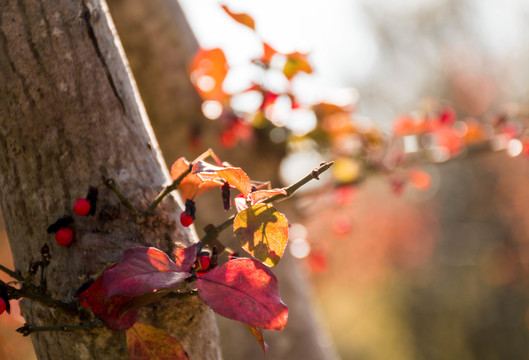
(244, 290)
(295, 63)
(207, 70)
(108, 309)
(259, 195)
(241, 18)
(192, 185)
(142, 270)
(258, 335)
(263, 232)
(146, 342)
(185, 257)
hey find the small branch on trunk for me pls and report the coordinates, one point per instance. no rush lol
(29, 329)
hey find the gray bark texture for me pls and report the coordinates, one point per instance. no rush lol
(69, 115)
(159, 45)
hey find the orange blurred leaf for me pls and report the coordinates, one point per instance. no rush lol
(407, 125)
(295, 63)
(146, 342)
(268, 53)
(263, 232)
(207, 70)
(241, 18)
(420, 179)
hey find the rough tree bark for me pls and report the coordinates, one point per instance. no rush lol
(159, 44)
(70, 114)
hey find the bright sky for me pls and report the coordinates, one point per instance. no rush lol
(339, 35)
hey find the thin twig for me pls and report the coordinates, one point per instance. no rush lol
(29, 329)
(113, 185)
(33, 293)
(314, 175)
(213, 231)
(12, 273)
(165, 192)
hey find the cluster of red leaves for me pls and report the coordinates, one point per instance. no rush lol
(241, 289)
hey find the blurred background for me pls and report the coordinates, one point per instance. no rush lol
(426, 259)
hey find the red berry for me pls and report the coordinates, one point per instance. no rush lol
(64, 236)
(202, 264)
(186, 219)
(3, 306)
(82, 207)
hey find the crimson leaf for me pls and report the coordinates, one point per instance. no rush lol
(108, 309)
(185, 257)
(142, 270)
(244, 290)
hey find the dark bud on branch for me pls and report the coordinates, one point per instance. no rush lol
(45, 252)
(83, 287)
(213, 257)
(190, 208)
(92, 198)
(24, 330)
(62, 222)
(34, 267)
(225, 188)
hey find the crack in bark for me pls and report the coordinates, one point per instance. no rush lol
(30, 41)
(86, 15)
(23, 80)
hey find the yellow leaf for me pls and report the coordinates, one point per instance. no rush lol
(263, 232)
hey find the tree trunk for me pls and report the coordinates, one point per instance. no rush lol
(159, 45)
(70, 114)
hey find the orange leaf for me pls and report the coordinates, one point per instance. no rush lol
(238, 178)
(295, 63)
(232, 175)
(263, 232)
(146, 342)
(191, 183)
(208, 69)
(242, 18)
